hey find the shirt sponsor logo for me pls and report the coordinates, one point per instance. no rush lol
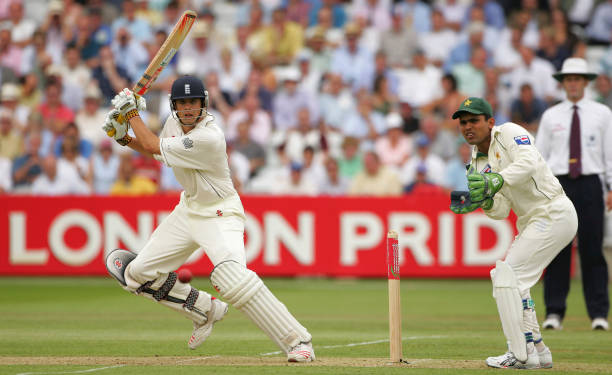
(188, 143)
(522, 140)
(486, 169)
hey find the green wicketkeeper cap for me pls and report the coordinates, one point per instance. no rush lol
(477, 106)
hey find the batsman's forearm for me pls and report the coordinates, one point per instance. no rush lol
(136, 146)
(146, 138)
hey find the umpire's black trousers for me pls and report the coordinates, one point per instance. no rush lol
(587, 195)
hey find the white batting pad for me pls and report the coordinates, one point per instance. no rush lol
(243, 289)
(510, 307)
(190, 302)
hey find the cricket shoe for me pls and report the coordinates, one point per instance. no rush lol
(600, 324)
(217, 311)
(545, 357)
(302, 352)
(553, 321)
(508, 360)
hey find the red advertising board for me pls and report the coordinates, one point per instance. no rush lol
(285, 236)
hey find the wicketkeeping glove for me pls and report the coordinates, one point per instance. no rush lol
(461, 202)
(484, 185)
(115, 129)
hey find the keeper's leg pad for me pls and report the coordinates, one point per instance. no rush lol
(243, 289)
(510, 308)
(530, 318)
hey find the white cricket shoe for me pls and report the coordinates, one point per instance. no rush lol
(553, 321)
(217, 311)
(508, 360)
(600, 324)
(302, 352)
(545, 357)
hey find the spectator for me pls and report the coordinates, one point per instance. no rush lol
(239, 167)
(383, 99)
(296, 184)
(333, 183)
(549, 49)
(420, 84)
(421, 184)
(395, 147)
(415, 13)
(104, 167)
(220, 102)
(9, 96)
(470, 76)
(350, 163)
(507, 56)
(538, 72)
(28, 166)
(75, 74)
(442, 142)
(490, 34)
(190, 60)
(110, 77)
(375, 179)
(290, 100)
(258, 120)
(301, 136)
(463, 52)
(138, 27)
(373, 12)
(84, 147)
(598, 30)
(319, 51)
(55, 29)
(11, 142)
(434, 164)
(444, 106)
(399, 43)
(252, 150)
(31, 95)
(130, 55)
(456, 168)
(72, 160)
(6, 180)
(331, 36)
(454, 12)
(232, 77)
(354, 62)
(336, 101)
(11, 56)
(338, 14)
(255, 86)
(411, 122)
(58, 179)
(603, 87)
(92, 35)
(527, 109)
(128, 182)
(494, 13)
(438, 42)
(312, 165)
(89, 118)
(364, 123)
(21, 28)
(282, 39)
(55, 113)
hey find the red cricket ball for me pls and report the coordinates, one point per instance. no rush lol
(184, 275)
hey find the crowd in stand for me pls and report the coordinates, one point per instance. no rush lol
(316, 97)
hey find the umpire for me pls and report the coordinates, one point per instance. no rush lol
(575, 138)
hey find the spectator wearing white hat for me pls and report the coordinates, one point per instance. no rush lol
(10, 94)
(394, 148)
(575, 139)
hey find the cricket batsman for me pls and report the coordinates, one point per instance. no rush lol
(209, 215)
(508, 173)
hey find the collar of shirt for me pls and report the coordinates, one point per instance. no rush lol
(569, 105)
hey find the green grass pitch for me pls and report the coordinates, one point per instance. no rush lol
(90, 325)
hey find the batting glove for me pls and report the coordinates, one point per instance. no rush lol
(484, 185)
(128, 104)
(115, 129)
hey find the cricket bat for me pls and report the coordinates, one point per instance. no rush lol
(163, 57)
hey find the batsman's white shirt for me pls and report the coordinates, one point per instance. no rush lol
(547, 219)
(209, 215)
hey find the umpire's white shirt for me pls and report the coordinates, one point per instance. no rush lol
(199, 162)
(528, 182)
(553, 135)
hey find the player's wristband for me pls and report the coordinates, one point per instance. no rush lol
(131, 114)
(125, 140)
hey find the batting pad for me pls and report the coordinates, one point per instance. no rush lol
(510, 307)
(190, 302)
(243, 289)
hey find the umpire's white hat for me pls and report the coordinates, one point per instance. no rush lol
(574, 65)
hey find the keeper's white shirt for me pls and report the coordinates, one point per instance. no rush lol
(199, 162)
(529, 184)
(553, 141)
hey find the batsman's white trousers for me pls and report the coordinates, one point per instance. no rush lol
(184, 231)
(547, 231)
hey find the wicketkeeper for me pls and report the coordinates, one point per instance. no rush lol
(508, 173)
(209, 215)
